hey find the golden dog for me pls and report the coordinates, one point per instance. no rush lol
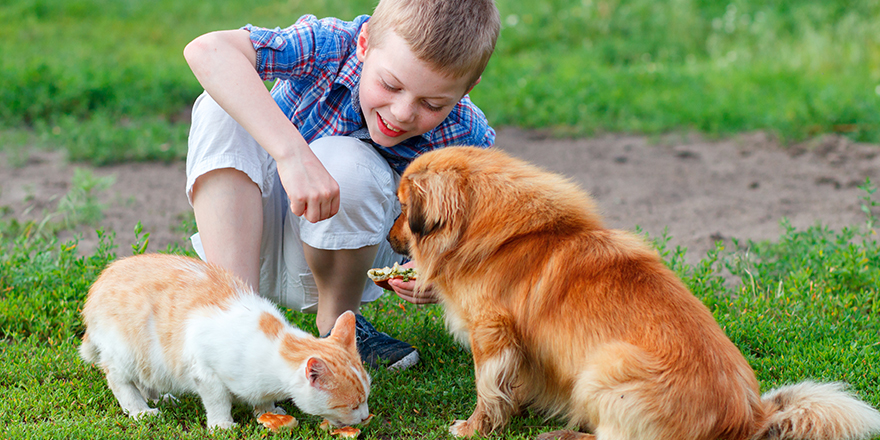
(584, 322)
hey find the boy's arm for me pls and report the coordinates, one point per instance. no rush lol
(224, 63)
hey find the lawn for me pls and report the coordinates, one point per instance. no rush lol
(105, 81)
(801, 307)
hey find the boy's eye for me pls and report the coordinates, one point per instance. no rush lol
(432, 107)
(388, 87)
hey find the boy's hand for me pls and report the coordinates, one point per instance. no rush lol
(406, 290)
(312, 191)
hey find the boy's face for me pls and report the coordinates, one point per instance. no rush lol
(401, 96)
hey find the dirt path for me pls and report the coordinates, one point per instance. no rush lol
(701, 190)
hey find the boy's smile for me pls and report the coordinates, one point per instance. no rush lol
(388, 129)
(401, 96)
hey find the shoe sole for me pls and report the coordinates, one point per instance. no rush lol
(406, 362)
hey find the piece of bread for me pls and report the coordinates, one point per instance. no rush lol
(346, 432)
(325, 425)
(381, 276)
(277, 421)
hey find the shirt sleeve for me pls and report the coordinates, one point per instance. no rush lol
(285, 53)
(465, 125)
(485, 137)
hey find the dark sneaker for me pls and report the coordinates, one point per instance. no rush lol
(377, 349)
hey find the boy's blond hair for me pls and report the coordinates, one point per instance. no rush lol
(455, 37)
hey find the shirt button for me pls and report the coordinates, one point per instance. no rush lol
(278, 41)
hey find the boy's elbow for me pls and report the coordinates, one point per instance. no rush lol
(195, 50)
(199, 51)
(214, 47)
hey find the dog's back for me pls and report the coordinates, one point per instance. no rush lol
(615, 337)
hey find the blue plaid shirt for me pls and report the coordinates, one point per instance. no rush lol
(317, 71)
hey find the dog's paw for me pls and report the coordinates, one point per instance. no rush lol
(565, 434)
(461, 428)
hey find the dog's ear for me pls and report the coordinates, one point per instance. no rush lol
(434, 200)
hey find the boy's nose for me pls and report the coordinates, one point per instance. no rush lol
(403, 111)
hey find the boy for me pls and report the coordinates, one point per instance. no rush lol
(294, 191)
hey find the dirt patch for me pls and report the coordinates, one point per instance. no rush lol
(152, 193)
(705, 191)
(701, 190)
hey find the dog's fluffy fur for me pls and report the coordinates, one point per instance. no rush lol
(584, 322)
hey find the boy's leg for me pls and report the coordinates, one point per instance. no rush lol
(339, 276)
(340, 250)
(229, 215)
(227, 173)
(228, 165)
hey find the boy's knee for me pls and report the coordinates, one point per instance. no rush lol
(355, 165)
(367, 196)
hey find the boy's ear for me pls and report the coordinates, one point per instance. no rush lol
(363, 37)
(479, 78)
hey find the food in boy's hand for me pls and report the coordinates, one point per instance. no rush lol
(346, 432)
(276, 421)
(381, 276)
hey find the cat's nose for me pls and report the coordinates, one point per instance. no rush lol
(362, 413)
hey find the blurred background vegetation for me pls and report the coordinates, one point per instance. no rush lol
(106, 79)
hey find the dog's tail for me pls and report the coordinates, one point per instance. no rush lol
(817, 411)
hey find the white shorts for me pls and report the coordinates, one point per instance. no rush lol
(368, 203)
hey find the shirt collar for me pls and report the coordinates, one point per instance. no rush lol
(349, 77)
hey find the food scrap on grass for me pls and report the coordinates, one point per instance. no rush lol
(274, 422)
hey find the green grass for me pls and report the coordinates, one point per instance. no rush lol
(794, 68)
(800, 307)
(106, 80)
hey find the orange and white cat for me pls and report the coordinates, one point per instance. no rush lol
(160, 324)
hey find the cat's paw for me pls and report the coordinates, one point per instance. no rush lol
(145, 413)
(225, 424)
(461, 428)
(268, 408)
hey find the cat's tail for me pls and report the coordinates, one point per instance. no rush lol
(87, 350)
(814, 411)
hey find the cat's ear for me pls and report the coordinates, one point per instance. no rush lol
(344, 329)
(315, 371)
